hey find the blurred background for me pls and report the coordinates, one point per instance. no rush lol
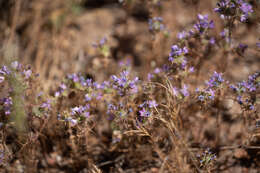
(56, 36)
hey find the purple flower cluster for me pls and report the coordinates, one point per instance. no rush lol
(241, 48)
(203, 24)
(7, 103)
(250, 85)
(201, 27)
(207, 157)
(27, 73)
(120, 110)
(101, 43)
(4, 71)
(245, 8)
(2, 156)
(61, 89)
(46, 105)
(258, 44)
(82, 83)
(229, 8)
(81, 111)
(177, 55)
(76, 114)
(123, 84)
(214, 83)
(244, 87)
(73, 121)
(154, 73)
(74, 77)
(181, 93)
(156, 24)
(146, 108)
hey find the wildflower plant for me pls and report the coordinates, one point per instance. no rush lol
(87, 118)
(102, 47)
(207, 159)
(215, 83)
(156, 26)
(244, 91)
(232, 9)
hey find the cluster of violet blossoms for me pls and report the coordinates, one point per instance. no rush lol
(249, 86)
(230, 8)
(123, 85)
(203, 24)
(207, 157)
(6, 104)
(181, 93)
(214, 83)
(80, 111)
(76, 114)
(4, 71)
(146, 108)
(60, 90)
(177, 55)
(156, 24)
(120, 110)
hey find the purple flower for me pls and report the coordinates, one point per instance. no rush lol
(182, 35)
(144, 113)
(61, 89)
(149, 76)
(239, 100)
(191, 69)
(72, 121)
(4, 71)
(101, 43)
(74, 77)
(251, 107)
(152, 104)
(246, 8)
(185, 91)
(227, 9)
(87, 98)
(212, 40)
(203, 23)
(7, 103)
(157, 70)
(86, 114)
(250, 85)
(242, 47)
(216, 80)
(177, 52)
(123, 84)
(156, 24)
(27, 73)
(201, 97)
(258, 44)
(46, 105)
(211, 94)
(175, 91)
(63, 86)
(89, 83)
